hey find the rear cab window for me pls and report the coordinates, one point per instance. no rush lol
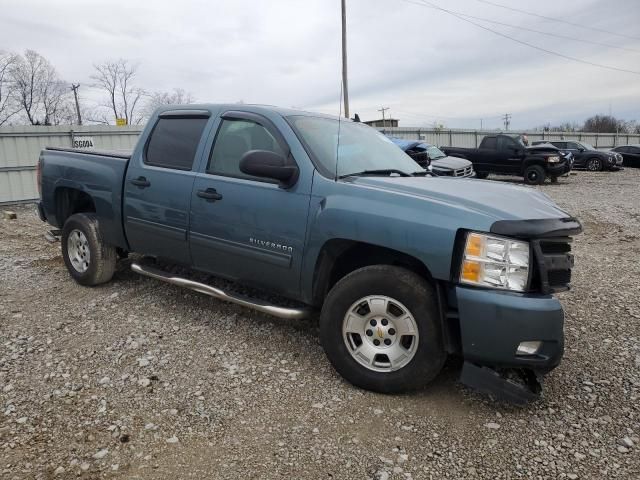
(174, 141)
(490, 143)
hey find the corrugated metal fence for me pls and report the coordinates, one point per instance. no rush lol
(20, 147)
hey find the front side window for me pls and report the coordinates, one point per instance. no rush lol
(173, 142)
(234, 139)
(506, 143)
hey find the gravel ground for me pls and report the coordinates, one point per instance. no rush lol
(138, 379)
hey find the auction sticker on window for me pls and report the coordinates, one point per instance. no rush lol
(83, 142)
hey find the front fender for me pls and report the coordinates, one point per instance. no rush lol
(423, 230)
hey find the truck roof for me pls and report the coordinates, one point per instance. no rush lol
(258, 108)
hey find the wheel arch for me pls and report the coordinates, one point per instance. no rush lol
(338, 257)
(69, 201)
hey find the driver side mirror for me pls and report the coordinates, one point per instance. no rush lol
(581, 149)
(266, 164)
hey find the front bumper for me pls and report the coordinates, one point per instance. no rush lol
(558, 170)
(493, 323)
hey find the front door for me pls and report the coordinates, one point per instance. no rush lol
(158, 187)
(246, 228)
(510, 155)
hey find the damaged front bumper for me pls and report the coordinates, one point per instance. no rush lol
(508, 340)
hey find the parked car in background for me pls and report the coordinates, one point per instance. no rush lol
(508, 155)
(586, 156)
(630, 155)
(431, 157)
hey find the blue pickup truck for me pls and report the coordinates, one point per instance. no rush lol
(328, 214)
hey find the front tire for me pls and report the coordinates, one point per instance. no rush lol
(594, 165)
(534, 175)
(89, 260)
(380, 328)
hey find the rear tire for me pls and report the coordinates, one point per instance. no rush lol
(534, 175)
(89, 260)
(380, 328)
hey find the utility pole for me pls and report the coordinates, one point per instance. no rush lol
(480, 124)
(75, 87)
(507, 120)
(383, 109)
(345, 87)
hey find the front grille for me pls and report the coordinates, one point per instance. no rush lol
(554, 261)
(463, 172)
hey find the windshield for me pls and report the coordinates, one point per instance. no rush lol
(435, 153)
(361, 149)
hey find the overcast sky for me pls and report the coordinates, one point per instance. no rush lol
(425, 65)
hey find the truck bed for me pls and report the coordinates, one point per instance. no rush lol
(98, 174)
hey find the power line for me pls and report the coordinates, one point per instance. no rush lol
(424, 3)
(557, 19)
(557, 35)
(550, 34)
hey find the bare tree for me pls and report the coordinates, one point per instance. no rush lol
(38, 89)
(177, 96)
(27, 76)
(117, 78)
(8, 104)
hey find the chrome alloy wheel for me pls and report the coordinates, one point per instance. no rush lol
(380, 333)
(594, 165)
(78, 251)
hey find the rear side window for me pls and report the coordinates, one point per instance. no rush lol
(490, 143)
(174, 142)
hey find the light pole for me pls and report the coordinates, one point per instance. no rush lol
(345, 88)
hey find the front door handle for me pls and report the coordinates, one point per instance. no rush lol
(209, 194)
(141, 182)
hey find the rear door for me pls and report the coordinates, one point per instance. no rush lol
(246, 228)
(158, 185)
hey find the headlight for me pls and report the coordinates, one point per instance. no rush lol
(555, 159)
(496, 262)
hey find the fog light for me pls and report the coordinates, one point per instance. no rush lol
(528, 348)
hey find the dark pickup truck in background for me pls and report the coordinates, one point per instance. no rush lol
(404, 268)
(507, 155)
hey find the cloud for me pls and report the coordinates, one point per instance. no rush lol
(424, 64)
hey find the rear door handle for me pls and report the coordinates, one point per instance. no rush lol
(209, 194)
(141, 182)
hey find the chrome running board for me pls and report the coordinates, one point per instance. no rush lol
(259, 305)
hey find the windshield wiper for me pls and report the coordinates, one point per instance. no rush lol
(383, 171)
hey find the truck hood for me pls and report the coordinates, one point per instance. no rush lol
(450, 163)
(498, 200)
